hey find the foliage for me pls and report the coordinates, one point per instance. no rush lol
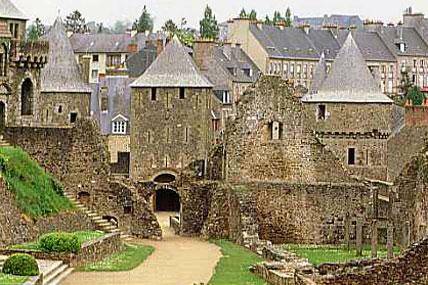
(120, 27)
(144, 23)
(82, 236)
(233, 266)
(243, 14)
(277, 18)
(170, 28)
(35, 30)
(253, 15)
(76, 23)
(60, 242)
(7, 279)
(288, 21)
(185, 35)
(21, 265)
(130, 258)
(318, 254)
(208, 25)
(37, 193)
(268, 21)
(416, 96)
(405, 83)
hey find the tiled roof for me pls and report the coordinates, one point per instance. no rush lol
(8, 10)
(320, 74)
(173, 68)
(349, 80)
(285, 43)
(415, 45)
(105, 43)
(61, 73)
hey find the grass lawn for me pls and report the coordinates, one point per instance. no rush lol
(37, 192)
(6, 279)
(130, 258)
(329, 254)
(83, 236)
(233, 267)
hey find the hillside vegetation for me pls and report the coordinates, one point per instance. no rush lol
(37, 192)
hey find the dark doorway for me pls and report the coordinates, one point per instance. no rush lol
(122, 165)
(167, 200)
(84, 197)
(27, 97)
(2, 116)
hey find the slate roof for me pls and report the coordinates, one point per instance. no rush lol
(61, 73)
(138, 63)
(320, 74)
(286, 43)
(8, 10)
(415, 45)
(340, 20)
(349, 80)
(325, 42)
(370, 44)
(105, 43)
(174, 67)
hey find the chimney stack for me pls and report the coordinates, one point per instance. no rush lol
(202, 52)
(373, 26)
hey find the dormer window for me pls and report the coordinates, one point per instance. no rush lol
(232, 70)
(119, 125)
(226, 98)
(402, 47)
(248, 72)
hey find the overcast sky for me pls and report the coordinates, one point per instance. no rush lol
(108, 11)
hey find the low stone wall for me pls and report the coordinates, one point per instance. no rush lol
(91, 251)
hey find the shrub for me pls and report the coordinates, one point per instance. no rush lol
(21, 265)
(60, 242)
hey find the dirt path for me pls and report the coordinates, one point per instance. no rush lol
(176, 261)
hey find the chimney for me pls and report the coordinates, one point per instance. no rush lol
(134, 32)
(85, 67)
(334, 29)
(259, 25)
(133, 47)
(281, 25)
(413, 20)
(306, 28)
(202, 52)
(373, 26)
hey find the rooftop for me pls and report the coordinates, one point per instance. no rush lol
(9, 11)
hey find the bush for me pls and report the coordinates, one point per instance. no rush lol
(60, 242)
(21, 265)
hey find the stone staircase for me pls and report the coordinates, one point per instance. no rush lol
(2, 260)
(56, 273)
(3, 142)
(102, 224)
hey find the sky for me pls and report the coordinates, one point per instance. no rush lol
(108, 11)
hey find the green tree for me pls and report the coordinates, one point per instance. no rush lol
(416, 96)
(76, 23)
(184, 34)
(243, 14)
(253, 15)
(120, 27)
(144, 23)
(170, 28)
(35, 30)
(288, 21)
(277, 18)
(208, 25)
(268, 21)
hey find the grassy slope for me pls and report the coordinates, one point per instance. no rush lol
(126, 260)
(83, 236)
(6, 279)
(37, 193)
(233, 267)
(328, 254)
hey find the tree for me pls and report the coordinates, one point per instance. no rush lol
(76, 23)
(277, 18)
(416, 96)
(243, 14)
(120, 27)
(253, 15)
(35, 30)
(184, 34)
(208, 25)
(288, 21)
(268, 21)
(144, 23)
(170, 28)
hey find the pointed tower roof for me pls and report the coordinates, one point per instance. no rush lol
(174, 67)
(320, 74)
(349, 79)
(9, 11)
(61, 73)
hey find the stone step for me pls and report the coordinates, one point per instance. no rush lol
(109, 228)
(60, 277)
(51, 275)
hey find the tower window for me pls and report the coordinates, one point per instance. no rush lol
(351, 156)
(153, 94)
(182, 93)
(73, 117)
(275, 130)
(321, 113)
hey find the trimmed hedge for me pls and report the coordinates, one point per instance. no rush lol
(21, 265)
(60, 242)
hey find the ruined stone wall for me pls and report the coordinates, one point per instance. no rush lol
(159, 138)
(416, 116)
(295, 155)
(56, 108)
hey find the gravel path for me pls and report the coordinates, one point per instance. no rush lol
(175, 261)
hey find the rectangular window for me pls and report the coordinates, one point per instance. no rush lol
(226, 97)
(321, 113)
(275, 132)
(167, 134)
(292, 69)
(16, 32)
(113, 60)
(153, 94)
(182, 93)
(94, 74)
(104, 104)
(248, 71)
(186, 134)
(119, 127)
(351, 156)
(73, 117)
(95, 58)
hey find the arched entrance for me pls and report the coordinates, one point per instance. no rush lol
(2, 116)
(27, 91)
(167, 200)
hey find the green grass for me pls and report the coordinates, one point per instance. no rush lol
(83, 236)
(6, 279)
(37, 193)
(130, 258)
(331, 254)
(233, 267)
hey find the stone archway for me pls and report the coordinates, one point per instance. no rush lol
(167, 199)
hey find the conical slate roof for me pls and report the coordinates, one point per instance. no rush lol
(8, 10)
(320, 74)
(349, 79)
(61, 73)
(172, 68)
